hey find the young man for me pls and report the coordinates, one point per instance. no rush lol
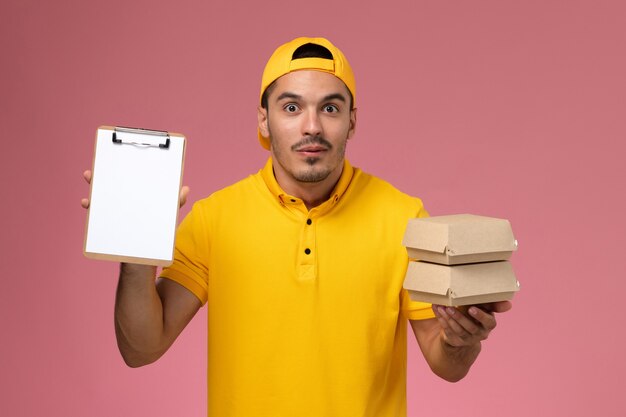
(301, 267)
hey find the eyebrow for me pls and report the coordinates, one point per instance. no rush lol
(335, 96)
(287, 94)
(294, 96)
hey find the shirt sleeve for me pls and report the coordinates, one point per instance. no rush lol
(415, 310)
(190, 266)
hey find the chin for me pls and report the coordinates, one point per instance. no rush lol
(313, 175)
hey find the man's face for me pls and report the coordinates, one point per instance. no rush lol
(308, 121)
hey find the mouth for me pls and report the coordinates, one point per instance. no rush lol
(312, 147)
(311, 150)
(312, 154)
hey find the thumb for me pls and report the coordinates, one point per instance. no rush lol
(182, 198)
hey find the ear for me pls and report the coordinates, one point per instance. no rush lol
(352, 123)
(263, 122)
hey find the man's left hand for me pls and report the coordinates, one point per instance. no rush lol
(468, 326)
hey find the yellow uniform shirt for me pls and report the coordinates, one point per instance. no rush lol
(306, 311)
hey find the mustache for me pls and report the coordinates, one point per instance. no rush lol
(311, 140)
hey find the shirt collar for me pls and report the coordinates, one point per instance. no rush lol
(267, 173)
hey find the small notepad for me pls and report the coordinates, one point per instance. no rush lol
(134, 196)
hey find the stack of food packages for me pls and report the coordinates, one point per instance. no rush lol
(460, 260)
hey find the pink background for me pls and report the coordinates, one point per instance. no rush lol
(512, 109)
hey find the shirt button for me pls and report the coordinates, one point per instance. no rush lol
(308, 221)
(307, 251)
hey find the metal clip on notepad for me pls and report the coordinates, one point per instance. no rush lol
(137, 137)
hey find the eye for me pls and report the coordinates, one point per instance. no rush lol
(291, 108)
(331, 108)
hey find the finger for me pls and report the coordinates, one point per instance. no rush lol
(87, 174)
(501, 307)
(182, 199)
(456, 333)
(449, 336)
(435, 308)
(468, 325)
(487, 320)
(451, 323)
(496, 307)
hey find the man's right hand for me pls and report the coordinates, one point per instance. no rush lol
(182, 198)
(148, 317)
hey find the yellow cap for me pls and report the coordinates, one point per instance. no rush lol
(281, 62)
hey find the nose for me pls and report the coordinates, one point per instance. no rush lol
(312, 125)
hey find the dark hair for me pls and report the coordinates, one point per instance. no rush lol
(308, 50)
(311, 50)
